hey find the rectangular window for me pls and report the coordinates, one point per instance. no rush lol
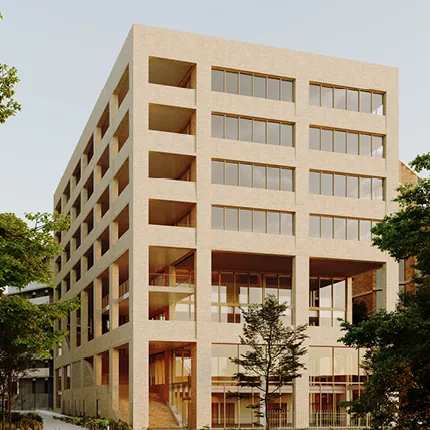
(287, 180)
(365, 145)
(339, 228)
(259, 87)
(327, 184)
(287, 91)
(259, 221)
(315, 95)
(273, 222)
(365, 188)
(217, 172)
(217, 80)
(287, 224)
(273, 178)
(365, 101)
(377, 189)
(315, 182)
(352, 100)
(273, 88)
(352, 187)
(314, 226)
(245, 175)
(259, 176)
(340, 98)
(340, 142)
(287, 138)
(377, 146)
(365, 227)
(326, 227)
(352, 143)
(218, 126)
(231, 82)
(377, 104)
(340, 185)
(352, 229)
(231, 219)
(231, 128)
(245, 84)
(217, 218)
(259, 131)
(231, 173)
(245, 129)
(327, 140)
(327, 97)
(245, 220)
(273, 133)
(315, 138)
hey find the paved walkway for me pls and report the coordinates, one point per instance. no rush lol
(49, 423)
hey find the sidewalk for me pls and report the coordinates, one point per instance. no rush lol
(49, 423)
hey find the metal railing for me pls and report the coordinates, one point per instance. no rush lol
(105, 301)
(123, 288)
(171, 280)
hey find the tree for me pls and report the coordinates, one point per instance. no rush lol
(26, 331)
(273, 355)
(398, 342)
(8, 79)
(25, 250)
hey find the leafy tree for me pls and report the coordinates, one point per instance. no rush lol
(26, 331)
(8, 79)
(25, 249)
(398, 342)
(273, 355)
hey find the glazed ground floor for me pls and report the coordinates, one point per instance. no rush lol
(334, 375)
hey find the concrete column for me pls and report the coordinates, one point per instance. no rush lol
(114, 380)
(97, 138)
(98, 369)
(73, 330)
(97, 307)
(349, 299)
(301, 316)
(84, 316)
(113, 108)
(390, 283)
(114, 296)
(201, 402)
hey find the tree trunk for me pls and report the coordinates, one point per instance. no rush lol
(3, 417)
(266, 403)
(10, 389)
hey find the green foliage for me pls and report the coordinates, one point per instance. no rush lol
(406, 233)
(398, 343)
(8, 79)
(25, 249)
(29, 420)
(29, 328)
(273, 355)
(95, 423)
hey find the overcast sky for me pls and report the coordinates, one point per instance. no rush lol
(64, 51)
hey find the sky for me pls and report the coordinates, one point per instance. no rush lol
(64, 51)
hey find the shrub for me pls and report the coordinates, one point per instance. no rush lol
(95, 423)
(24, 421)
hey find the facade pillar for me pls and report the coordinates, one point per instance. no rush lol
(390, 284)
(84, 316)
(114, 380)
(97, 307)
(114, 296)
(301, 316)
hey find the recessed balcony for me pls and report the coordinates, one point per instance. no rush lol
(171, 284)
(172, 119)
(164, 71)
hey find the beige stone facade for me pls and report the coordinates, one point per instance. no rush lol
(180, 215)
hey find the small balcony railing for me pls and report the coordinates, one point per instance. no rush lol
(105, 301)
(123, 288)
(171, 280)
